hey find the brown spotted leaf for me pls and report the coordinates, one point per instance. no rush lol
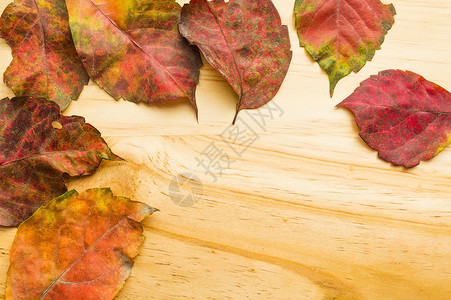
(78, 246)
(403, 116)
(45, 63)
(342, 35)
(37, 147)
(132, 49)
(245, 41)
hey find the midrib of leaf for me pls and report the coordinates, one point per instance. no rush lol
(139, 47)
(413, 110)
(228, 45)
(44, 46)
(77, 260)
(231, 53)
(23, 275)
(338, 28)
(37, 155)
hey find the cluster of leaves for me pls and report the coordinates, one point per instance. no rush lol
(78, 245)
(84, 244)
(403, 116)
(134, 50)
(148, 51)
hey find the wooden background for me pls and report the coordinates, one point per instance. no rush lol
(308, 211)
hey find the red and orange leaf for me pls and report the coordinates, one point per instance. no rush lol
(34, 155)
(342, 35)
(132, 49)
(245, 41)
(78, 246)
(45, 63)
(402, 115)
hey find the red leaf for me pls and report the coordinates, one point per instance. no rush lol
(403, 116)
(342, 35)
(34, 155)
(45, 63)
(132, 49)
(245, 41)
(78, 246)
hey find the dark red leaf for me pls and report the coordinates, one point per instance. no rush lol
(132, 49)
(45, 63)
(34, 154)
(342, 35)
(402, 115)
(245, 41)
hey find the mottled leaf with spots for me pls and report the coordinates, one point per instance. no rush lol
(78, 246)
(45, 63)
(132, 49)
(342, 35)
(37, 147)
(245, 41)
(403, 116)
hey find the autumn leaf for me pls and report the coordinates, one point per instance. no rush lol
(402, 115)
(34, 155)
(342, 35)
(45, 63)
(78, 246)
(245, 41)
(132, 49)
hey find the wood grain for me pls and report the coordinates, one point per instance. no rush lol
(308, 211)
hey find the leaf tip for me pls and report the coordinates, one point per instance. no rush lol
(332, 88)
(334, 78)
(115, 157)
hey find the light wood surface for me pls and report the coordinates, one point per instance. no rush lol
(308, 211)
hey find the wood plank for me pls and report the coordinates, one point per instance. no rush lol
(307, 211)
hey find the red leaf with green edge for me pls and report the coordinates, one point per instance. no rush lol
(132, 49)
(78, 246)
(342, 35)
(402, 115)
(34, 155)
(45, 63)
(245, 41)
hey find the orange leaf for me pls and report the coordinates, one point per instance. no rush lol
(132, 49)
(78, 246)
